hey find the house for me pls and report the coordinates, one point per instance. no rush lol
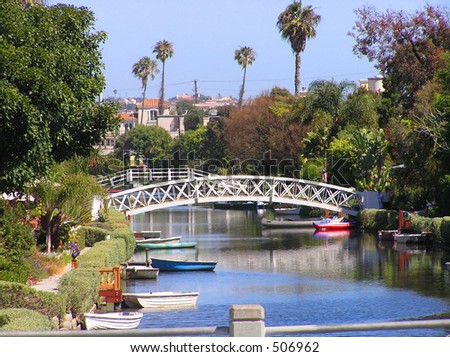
(149, 112)
(373, 84)
(169, 120)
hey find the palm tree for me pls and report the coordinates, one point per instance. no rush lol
(163, 50)
(65, 195)
(245, 56)
(296, 25)
(143, 69)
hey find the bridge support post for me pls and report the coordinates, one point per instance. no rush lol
(247, 321)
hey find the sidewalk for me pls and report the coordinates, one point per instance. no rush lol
(52, 282)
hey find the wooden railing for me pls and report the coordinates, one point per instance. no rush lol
(110, 286)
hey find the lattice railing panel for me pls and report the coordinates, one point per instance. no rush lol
(236, 188)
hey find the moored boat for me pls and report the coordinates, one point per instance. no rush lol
(329, 224)
(412, 238)
(147, 234)
(386, 234)
(160, 300)
(176, 245)
(286, 210)
(159, 240)
(235, 205)
(183, 265)
(302, 222)
(112, 320)
(139, 271)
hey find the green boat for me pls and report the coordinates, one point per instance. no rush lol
(176, 245)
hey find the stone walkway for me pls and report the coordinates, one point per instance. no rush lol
(52, 282)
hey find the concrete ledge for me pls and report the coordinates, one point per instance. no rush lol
(247, 321)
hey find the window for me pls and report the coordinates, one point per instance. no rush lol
(152, 115)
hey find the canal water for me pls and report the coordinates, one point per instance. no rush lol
(299, 276)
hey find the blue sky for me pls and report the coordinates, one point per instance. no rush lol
(205, 34)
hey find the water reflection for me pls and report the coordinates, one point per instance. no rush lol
(299, 275)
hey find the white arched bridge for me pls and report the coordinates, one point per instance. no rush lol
(236, 188)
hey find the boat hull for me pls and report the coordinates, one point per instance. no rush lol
(112, 321)
(159, 240)
(288, 223)
(333, 225)
(139, 272)
(161, 300)
(412, 238)
(166, 245)
(147, 234)
(183, 265)
(386, 234)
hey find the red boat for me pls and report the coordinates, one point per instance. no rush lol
(330, 224)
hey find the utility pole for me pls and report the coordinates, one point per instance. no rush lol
(196, 91)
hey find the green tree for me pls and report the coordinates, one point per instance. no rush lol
(65, 195)
(245, 56)
(190, 147)
(51, 77)
(143, 69)
(164, 51)
(193, 119)
(152, 143)
(296, 25)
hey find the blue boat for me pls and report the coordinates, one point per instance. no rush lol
(182, 265)
(176, 245)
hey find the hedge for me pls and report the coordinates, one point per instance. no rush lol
(78, 289)
(13, 295)
(378, 219)
(438, 226)
(19, 319)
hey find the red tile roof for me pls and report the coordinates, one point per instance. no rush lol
(127, 116)
(152, 103)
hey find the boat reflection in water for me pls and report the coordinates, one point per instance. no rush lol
(334, 234)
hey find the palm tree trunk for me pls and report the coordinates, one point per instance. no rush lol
(241, 93)
(143, 101)
(298, 63)
(161, 98)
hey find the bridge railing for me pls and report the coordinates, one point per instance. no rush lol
(236, 188)
(139, 176)
(247, 321)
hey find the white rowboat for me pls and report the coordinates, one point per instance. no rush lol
(112, 320)
(161, 300)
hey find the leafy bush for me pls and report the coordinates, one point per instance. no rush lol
(438, 226)
(92, 235)
(105, 254)
(78, 290)
(377, 219)
(13, 295)
(128, 237)
(21, 319)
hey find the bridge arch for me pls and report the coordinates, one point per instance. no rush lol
(210, 189)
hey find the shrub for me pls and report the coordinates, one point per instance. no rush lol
(78, 290)
(19, 295)
(128, 237)
(377, 219)
(105, 254)
(92, 235)
(21, 319)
